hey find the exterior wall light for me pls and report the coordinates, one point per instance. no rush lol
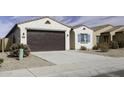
(84, 28)
(23, 35)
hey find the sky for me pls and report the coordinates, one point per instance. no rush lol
(7, 22)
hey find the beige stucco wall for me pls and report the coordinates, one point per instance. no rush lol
(98, 32)
(40, 25)
(5, 44)
(72, 40)
(80, 30)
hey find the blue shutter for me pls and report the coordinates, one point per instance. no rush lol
(79, 38)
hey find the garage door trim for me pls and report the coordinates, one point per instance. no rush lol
(61, 45)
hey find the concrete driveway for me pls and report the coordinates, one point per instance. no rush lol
(67, 57)
(72, 63)
(79, 69)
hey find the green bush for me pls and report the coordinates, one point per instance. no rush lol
(83, 48)
(95, 47)
(14, 50)
(121, 44)
(1, 60)
(104, 47)
(114, 45)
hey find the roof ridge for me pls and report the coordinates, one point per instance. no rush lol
(115, 28)
(79, 25)
(42, 18)
(101, 27)
(25, 21)
(15, 25)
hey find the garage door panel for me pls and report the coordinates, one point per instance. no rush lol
(46, 40)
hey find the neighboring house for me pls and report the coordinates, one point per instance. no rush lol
(119, 36)
(46, 34)
(111, 34)
(97, 32)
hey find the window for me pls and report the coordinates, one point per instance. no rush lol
(98, 39)
(83, 38)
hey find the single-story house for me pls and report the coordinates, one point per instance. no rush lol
(109, 35)
(97, 32)
(47, 34)
(119, 36)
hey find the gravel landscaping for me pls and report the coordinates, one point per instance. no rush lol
(110, 53)
(28, 62)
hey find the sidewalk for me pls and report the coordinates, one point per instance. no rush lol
(67, 70)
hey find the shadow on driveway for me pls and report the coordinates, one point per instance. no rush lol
(112, 74)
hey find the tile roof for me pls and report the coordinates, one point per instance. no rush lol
(76, 26)
(34, 20)
(115, 28)
(100, 27)
(79, 25)
(122, 30)
(42, 18)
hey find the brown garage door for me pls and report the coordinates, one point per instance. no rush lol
(46, 40)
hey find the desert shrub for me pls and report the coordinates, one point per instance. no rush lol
(1, 60)
(104, 47)
(121, 44)
(95, 47)
(114, 45)
(14, 50)
(83, 48)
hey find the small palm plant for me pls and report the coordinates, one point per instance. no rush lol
(1, 61)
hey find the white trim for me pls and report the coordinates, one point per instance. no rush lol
(39, 25)
(88, 31)
(66, 48)
(46, 29)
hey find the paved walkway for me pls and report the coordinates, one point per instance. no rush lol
(78, 64)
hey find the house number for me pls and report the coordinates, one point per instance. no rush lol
(23, 36)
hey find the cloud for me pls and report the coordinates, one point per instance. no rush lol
(59, 18)
(116, 20)
(98, 20)
(17, 19)
(5, 28)
(6, 22)
(86, 20)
